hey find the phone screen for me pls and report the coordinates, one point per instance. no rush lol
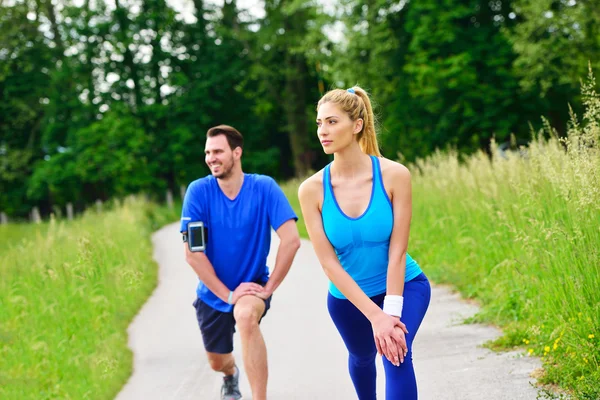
(195, 236)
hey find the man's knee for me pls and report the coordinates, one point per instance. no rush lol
(247, 313)
(220, 362)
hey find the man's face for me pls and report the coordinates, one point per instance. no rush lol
(219, 157)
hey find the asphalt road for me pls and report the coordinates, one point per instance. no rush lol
(307, 359)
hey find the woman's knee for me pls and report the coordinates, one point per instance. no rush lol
(362, 360)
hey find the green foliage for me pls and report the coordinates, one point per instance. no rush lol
(459, 80)
(554, 40)
(455, 74)
(107, 159)
(24, 64)
(287, 49)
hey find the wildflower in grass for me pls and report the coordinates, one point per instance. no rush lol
(555, 346)
(547, 349)
(530, 351)
(591, 336)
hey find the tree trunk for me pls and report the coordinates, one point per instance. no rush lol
(294, 103)
(54, 27)
(130, 65)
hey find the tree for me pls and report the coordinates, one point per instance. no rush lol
(25, 63)
(458, 73)
(288, 79)
(555, 40)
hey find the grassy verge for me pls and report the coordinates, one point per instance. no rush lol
(67, 294)
(290, 189)
(522, 236)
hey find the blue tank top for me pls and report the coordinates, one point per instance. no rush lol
(362, 243)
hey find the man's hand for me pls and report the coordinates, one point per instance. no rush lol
(265, 294)
(246, 289)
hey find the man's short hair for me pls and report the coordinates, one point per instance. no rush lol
(234, 137)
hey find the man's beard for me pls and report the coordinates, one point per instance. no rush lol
(226, 170)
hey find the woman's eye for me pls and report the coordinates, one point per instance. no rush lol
(331, 122)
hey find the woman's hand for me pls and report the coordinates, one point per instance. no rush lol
(388, 332)
(401, 344)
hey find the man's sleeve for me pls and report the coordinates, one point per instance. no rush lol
(192, 209)
(279, 208)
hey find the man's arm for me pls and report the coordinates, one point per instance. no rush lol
(206, 273)
(289, 243)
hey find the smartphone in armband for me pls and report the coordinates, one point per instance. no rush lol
(197, 236)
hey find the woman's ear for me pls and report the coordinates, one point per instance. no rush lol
(358, 125)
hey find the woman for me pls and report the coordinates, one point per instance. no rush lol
(357, 212)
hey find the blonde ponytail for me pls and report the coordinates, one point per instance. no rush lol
(367, 139)
(356, 103)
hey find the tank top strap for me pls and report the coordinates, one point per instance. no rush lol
(378, 179)
(327, 183)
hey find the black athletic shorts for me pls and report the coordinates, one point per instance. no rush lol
(218, 327)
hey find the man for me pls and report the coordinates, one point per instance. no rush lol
(238, 211)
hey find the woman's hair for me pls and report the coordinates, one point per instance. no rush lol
(234, 137)
(356, 103)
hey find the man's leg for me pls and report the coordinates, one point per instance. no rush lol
(217, 334)
(247, 313)
(224, 363)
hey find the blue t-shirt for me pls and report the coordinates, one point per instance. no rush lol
(239, 230)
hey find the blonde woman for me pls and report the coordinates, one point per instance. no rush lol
(357, 212)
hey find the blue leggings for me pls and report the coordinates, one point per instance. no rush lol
(356, 331)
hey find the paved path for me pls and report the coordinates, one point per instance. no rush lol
(307, 359)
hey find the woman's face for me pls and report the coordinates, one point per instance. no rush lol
(335, 129)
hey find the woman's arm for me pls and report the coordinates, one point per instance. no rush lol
(308, 197)
(309, 194)
(400, 186)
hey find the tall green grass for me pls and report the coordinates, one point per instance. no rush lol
(11, 234)
(290, 189)
(67, 294)
(522, 235)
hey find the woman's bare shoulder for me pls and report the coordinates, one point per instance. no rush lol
(312, 186)
(393, 168)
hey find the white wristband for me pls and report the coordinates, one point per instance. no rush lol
(392, 305)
